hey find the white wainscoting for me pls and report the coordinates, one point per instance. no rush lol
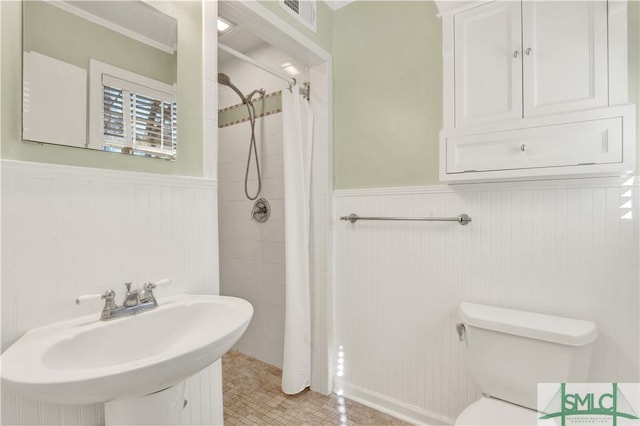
(566, 248)
(68, 231)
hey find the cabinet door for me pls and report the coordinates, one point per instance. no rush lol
(488, 64)
(565, 56)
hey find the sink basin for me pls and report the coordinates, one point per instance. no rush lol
(84, 360)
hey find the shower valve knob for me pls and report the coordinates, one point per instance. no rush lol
(261, 210)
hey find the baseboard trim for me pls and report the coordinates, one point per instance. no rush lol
(401, 410)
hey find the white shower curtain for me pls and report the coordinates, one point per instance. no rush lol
(297, 136)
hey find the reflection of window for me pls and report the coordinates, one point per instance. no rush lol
(137, 119)
(133, 114)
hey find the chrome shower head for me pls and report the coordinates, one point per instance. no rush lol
(226, 81)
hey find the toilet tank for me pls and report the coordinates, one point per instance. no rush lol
(509, 352)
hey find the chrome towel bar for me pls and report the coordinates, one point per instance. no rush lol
(462, 219)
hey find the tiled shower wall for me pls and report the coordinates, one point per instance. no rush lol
(252, 260)
(567, 248)
(68, 231)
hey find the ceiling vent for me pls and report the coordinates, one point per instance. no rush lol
(303, 10)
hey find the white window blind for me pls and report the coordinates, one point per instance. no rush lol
(137, 119)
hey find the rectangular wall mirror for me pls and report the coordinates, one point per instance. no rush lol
(100, 75)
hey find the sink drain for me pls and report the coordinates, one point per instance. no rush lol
(261, 210)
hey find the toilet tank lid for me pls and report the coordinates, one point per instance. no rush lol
(566, 331)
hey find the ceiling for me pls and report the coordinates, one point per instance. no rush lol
(240, 38)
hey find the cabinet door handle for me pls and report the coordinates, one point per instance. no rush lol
(528, 51)
(523, 147)
(516, 53)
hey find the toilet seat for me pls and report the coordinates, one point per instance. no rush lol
(490, 411)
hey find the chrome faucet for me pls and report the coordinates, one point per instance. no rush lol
(134, 301)
(137, 297)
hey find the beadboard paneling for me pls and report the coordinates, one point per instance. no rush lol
(567, 248)
(68, 231)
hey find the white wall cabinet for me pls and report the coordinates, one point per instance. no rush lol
(550, 76)
(564, 56)
(488, 71)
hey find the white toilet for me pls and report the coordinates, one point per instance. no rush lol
(509, 352)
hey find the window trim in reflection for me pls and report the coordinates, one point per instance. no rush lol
(102, 74)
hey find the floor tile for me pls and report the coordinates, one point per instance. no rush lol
(252, 396)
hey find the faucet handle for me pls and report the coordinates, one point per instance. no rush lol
(163, 282)
(109, 294)
(160, 283)
(86, 297)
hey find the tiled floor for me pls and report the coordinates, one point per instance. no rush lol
(252, 396)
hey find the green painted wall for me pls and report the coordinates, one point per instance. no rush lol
(387, 92)
(54, 32)
(189, 98)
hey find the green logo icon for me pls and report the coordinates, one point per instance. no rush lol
(587, 404)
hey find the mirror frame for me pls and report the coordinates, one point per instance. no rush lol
(27, 134)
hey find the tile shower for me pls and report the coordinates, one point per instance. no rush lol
(252, 254)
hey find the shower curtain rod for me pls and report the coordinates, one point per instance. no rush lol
(291, 81)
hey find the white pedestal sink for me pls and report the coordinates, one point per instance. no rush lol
(159, 408)
(125, 360)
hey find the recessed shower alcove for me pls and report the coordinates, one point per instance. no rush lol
(253, 253)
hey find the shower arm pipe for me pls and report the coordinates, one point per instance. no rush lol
(291, 81)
